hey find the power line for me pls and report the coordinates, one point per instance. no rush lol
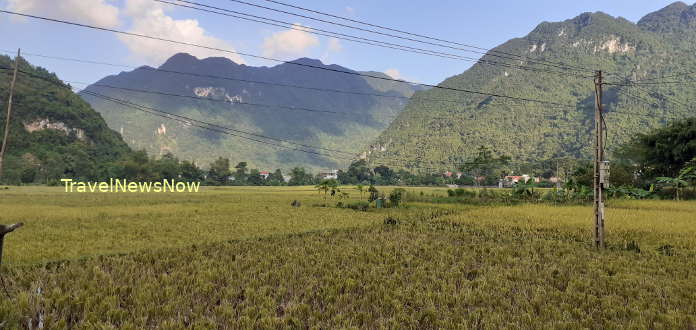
(357, 39)
(666, 99)
(272, 59)
(188, 121)
(637, 83)
(401, 37)
(216, 100)
(184, 119)
(411, 33)
(227, 130)
(212, 127)
(663, 77)
(686, 106)
(642, 100)
(200, 75)
(223, 101)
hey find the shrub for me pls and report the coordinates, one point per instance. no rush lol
(391, 221)
(395, 197)
(358, 206)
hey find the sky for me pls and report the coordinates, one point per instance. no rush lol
(481, 23)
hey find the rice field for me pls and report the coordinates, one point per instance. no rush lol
(245, 258)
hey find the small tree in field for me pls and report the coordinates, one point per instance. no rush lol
(326, 186)
(361, 189)
(679, 182)
(374, 193)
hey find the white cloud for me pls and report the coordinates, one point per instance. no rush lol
(334, 45)
(289, 42)
(350, 10)
(394, 73)
(148, 17)
(98, 12)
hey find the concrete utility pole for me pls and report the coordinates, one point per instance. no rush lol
(558, 175)
(9, 112)
(600, 165)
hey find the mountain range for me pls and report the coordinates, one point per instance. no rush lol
(53, 132)
(291, 101)
(442, 128)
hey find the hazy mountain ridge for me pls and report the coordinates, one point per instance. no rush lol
(442, 134)
(359, 120)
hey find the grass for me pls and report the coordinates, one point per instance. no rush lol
(437, 266)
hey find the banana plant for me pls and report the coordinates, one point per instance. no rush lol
(679, 182)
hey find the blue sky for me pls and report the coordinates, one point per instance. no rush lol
(481, 23)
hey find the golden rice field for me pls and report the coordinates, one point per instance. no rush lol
(233, 258)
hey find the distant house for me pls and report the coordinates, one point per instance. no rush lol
(286, 177)
(450, 174)
(517, 178)
(511, 180)
(328, 174)
(264, 174)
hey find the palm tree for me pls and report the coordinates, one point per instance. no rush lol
(361, 189)
(326, 186)
(680, 181)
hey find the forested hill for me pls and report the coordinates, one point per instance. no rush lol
(444, 133)
(256, 100)
(53, 132)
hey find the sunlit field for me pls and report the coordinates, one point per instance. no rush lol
(245, 258)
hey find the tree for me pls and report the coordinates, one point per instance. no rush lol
(276, 178)
(137, 167)
(167, 167)
(328, 185)
(240, 175)
(358, 172)
(361, 189)
(298, 177)
(395, 196)
(485, 167)
(190, 172)
(219, 173)
(255, 178)
(583, 175)
(386, 176)
(664, 151)
(374, 193)
(679, 182)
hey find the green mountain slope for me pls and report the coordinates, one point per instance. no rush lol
(444, 133)
(53, 132)
(358, 118)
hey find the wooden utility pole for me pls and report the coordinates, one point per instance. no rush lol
(4, 230)
(600, 165)
(9, 112)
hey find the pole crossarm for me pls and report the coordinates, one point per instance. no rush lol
(8, 229)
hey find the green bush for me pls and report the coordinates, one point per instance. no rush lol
(395, 197)
(358, 206)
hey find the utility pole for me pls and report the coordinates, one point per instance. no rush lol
(9, 112)
(558, 175)
(600, 165)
